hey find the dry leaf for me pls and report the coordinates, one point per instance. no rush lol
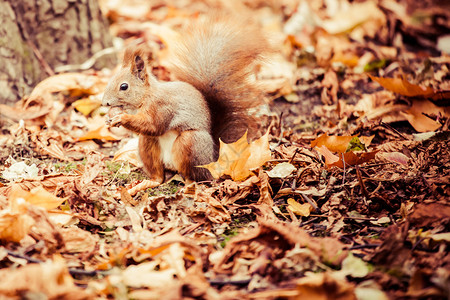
(325, 144)
(37, 196)
(419, 121)
(87, 105)
(130, 153)
(396, 157)
(77, 240)
(282, 170)
(403, 87)
(238, 158)
(339, 143)
(101, 133)
(315, 286)
(40, 101)
(352, 16)
(49, 280)
(14, 226)
(299, 209)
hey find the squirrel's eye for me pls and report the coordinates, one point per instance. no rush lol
(124, 86)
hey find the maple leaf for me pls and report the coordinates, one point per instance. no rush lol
(238, 158)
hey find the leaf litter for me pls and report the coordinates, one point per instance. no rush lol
(341, 199)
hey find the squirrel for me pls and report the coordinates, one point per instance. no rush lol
(180, 122)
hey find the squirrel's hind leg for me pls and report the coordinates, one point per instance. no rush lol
(193, 148)
(150, 153)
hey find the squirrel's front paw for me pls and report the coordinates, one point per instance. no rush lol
(115, 121)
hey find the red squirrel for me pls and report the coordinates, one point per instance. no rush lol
(180, 122)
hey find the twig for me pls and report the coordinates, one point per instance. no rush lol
(361, 184)
(352, 218)
(72, 271)
(41, 59)
(88, 63)
(281, 133)
(386, 125)
(27, 258)
(343, 175)
(233, 282)
(364, 246)
(312, 202)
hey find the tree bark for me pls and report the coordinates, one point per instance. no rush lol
(38, 36)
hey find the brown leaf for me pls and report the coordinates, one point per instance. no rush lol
(419, 121)
(277, 237)
(318, 286)
(338, 143)
(77, 240)
(405, 88)
(50, 279)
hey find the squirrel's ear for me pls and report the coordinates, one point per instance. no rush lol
(136, 59)
(138, 68)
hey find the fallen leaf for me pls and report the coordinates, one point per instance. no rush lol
(101, 133)
(439, 237)
(40, 101)
(325, 144)
(87, 105)
(299, 209)
(14, 226)
(352, 16)
(405, 88)
(282, 170)
(238, 158)
(20, 170)
(316, 286)
(339, 143)
(130, 153)
(37, 196)
(354, 267)
(419, 121)
(77, 240)
(396, 157)
(330, 158)
(50, 279)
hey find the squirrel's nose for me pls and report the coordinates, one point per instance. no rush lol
(105, 102)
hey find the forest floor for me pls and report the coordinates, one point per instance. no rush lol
(353, 202)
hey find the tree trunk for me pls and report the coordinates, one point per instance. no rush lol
(38, 36)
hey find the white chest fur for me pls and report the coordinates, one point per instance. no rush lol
(166, 143)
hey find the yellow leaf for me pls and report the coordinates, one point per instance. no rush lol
(238, 158)
(86, 106)
(299, 209)
(101, 133)
(37, 196)
(14, 226)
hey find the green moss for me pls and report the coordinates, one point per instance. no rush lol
(168, 188)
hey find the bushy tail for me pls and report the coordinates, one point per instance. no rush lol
(218, 56)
